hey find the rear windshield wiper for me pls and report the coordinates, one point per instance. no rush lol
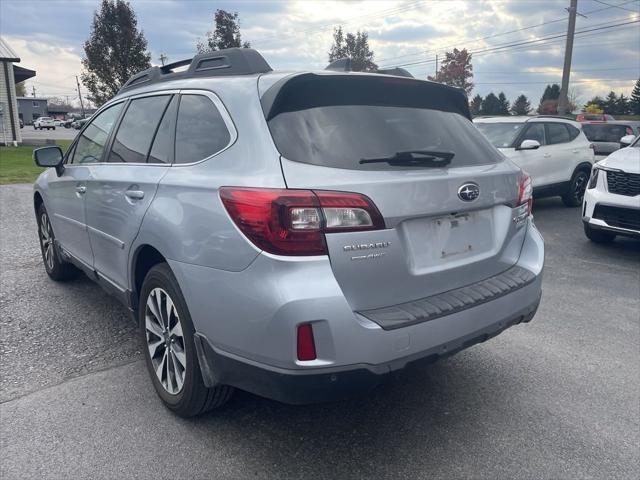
(418, 158)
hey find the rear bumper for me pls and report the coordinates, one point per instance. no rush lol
(246, 323)
(301, 387)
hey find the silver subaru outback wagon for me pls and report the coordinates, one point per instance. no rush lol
(297, 235)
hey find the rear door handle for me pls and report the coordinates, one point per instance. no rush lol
(135, 194)
(81, 189)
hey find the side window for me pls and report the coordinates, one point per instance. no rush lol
(573, 132)
(162, 149)
(200, 131)
(535, 131)
(557, 133)
(91, 143)
(137, 128)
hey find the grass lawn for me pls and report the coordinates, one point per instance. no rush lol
(17, 166)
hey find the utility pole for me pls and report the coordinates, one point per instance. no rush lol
(563, 101)
(163, 58)
(33, 90)
(80, 96)
(436, 65)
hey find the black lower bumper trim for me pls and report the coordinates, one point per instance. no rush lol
(329, 384)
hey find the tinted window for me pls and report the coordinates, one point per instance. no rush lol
(535, 131)
(137, 129)
(573, 131)
(200, 131)
(557, 133)
(92, 140)
(501, 135)
(341, 136)
(162, 149)
(603, 132)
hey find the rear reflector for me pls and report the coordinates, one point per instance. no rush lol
(293, 222)
(306, 344)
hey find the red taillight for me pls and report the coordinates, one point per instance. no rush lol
(293, 222)
(306, 344)
(525, 192)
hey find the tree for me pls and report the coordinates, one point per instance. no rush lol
(634, 101)
(504, 104)
(521, 106)
(355, 47)
(549, 100)
(475, 106)
(491, 105)
(226, 33)
(595, 105)
(610, 102)
(456, 70)
(114, 51)
(622, 105)
(21, 90)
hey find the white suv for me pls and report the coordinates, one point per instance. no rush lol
(554, 151)
(44, 122)
(612, 201)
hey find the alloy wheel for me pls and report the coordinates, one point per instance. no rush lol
(579, 186)
(165, 341)
(46, 240)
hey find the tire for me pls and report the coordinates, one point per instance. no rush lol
(168, 347)
(598, 236)
(577, 186)
(57, 268)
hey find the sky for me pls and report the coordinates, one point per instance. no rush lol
(48, 36)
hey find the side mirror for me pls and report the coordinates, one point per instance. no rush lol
(529, 145)
(48, 157)
(627, 140)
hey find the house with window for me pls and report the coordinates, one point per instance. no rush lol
(30, 108)
(10, 74)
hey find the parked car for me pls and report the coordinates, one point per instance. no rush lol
(612, 201)
(590, 117)
(57, 122)
(297, 235)
(44, 122)
(606, 136)
(79, 123)
(553, 150)
(67, 123)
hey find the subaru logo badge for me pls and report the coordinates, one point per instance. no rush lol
(468, 192)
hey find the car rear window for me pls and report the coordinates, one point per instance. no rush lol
(339, 123)
(604, 132)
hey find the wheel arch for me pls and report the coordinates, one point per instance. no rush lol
(37, 201)
(583, 166)
(145, 257)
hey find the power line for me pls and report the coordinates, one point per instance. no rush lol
(440, 48)
(616, 6)
(508, 46)
(586, 80)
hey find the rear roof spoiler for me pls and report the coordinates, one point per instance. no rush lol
(344, 65)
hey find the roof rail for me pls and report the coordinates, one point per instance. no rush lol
(563, 117)
(231, 61)
(344, 65)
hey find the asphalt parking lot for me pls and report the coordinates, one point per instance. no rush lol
(60, 133)
(554, 399)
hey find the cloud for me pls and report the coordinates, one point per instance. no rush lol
(298, 35)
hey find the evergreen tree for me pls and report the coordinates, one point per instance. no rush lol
(521, 106)
(549, 100)
(226, 33)
(491, 105)
(475, 106)
(355, 47)
(610, 103)
(114, 51)
(634, 101)
(622, 105)
(504, 104)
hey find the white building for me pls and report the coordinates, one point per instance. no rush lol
(9, 75)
